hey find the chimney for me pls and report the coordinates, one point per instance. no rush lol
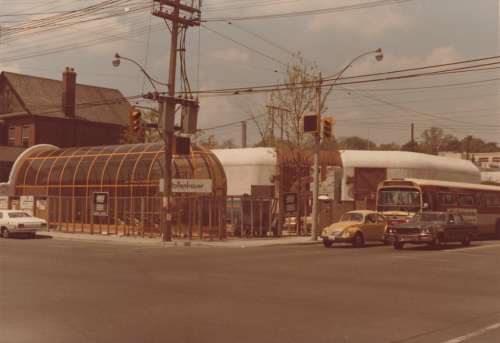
(68, 92)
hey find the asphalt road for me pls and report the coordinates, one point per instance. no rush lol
(67, 291)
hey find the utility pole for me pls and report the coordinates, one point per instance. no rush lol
(411, 137)
(169, 134)
(317, 142)
(243, 134)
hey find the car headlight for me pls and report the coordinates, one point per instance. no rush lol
(347, 232)
(324, 232)
(389, 230)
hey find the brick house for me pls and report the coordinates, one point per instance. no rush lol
(36, 110)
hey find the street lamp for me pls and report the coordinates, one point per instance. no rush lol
(116, 63)
(317, 139)
(166, 209)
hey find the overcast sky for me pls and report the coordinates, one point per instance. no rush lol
(252, 52)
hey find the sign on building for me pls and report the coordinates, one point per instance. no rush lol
(191, 186)
(290, 204)
(100, 204)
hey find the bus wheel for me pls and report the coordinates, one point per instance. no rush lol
(398, 245)
(466, 241)
(436, 243)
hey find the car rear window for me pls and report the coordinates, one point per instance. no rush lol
(18, 215)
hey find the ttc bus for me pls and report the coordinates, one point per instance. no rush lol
(399, 199)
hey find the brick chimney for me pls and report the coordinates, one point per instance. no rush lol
(68, 92)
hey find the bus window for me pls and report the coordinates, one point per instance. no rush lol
(466, 199)
(447, 199)
(479, 200)
(492, 200)
(429, 200)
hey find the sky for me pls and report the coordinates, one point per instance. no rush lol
(247, 44)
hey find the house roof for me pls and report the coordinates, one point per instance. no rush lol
(43, 97)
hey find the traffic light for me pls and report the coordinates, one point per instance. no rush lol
(311, 124)
(181, 145)
(328, 128)
(135, 122)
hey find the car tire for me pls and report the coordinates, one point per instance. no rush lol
(5, 233)
(398, 245)
(358, 240)
(466, 241)
(31, 235)
(327, 243)
(436, 243)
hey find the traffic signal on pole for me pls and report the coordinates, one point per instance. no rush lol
(328, 128)
(311, 124)
(181, 145)
(135, 122)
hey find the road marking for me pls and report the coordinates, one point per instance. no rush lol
(477, 333)
(433, 259)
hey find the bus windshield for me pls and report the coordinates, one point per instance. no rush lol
(395, 199)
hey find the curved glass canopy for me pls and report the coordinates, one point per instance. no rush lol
(122, 170)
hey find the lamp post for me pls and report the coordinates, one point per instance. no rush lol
(317, 140)
(166, 230)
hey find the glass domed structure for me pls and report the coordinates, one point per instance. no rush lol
(68, 178)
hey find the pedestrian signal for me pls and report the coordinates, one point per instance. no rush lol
(311, 124)
(181, 145)
(328, 128)
(135, 122)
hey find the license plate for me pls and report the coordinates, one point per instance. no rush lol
(331, 238)
(407, 238)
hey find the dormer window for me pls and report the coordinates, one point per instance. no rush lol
(6, 101)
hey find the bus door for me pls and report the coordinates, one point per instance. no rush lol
(429, 199)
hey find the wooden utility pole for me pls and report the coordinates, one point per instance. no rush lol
(176, 20)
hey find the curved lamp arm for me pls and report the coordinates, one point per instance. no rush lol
(379, 57)
(116, 63)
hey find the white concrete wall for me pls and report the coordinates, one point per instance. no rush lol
(247, 167)
(403, 164)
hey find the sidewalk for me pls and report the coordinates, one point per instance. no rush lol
(136, 240)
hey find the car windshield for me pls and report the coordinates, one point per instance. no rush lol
(429, 218)
(407, 200)
(18, 215)
(352, 217)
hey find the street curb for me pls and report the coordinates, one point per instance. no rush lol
(155, 242)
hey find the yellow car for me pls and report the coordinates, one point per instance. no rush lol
(356, 227)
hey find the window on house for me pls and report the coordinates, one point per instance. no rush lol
(483, 159)
(496, 159)
(26, 136)
(12, 135)
(6, 101)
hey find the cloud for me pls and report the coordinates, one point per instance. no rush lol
(230, 55)
(391, 61)
(368, 23)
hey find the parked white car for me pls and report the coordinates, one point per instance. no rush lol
(15, 222)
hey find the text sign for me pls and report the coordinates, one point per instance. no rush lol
(191, 186)
(100, 203)
(290, 204)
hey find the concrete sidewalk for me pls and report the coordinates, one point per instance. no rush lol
(136, 240)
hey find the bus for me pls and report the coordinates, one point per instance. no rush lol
(400, 199)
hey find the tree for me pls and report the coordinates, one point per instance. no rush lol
(355, 143)
(148, 135)
(228, 144)
(390, 147)
(297, 96)
(450, 143)
(432, 140)
(478, 145)
(416, 147)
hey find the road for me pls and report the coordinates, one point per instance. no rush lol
(67, 291)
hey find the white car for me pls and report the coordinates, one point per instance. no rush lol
(15, 222)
